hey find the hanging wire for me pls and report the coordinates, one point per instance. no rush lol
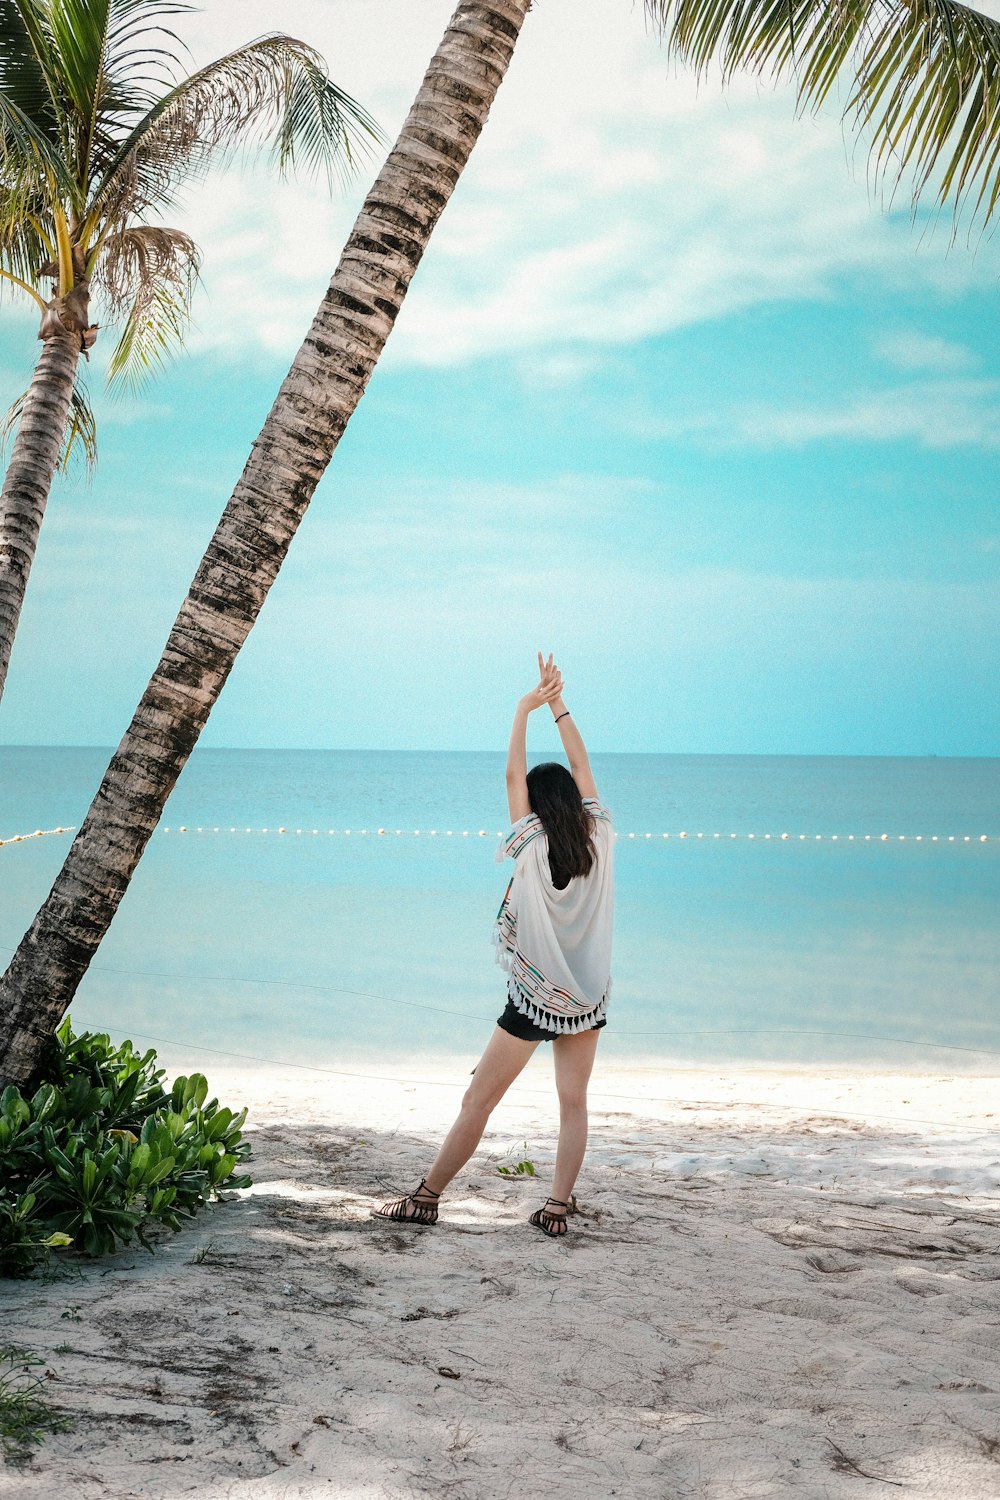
(333, 989)
(539, 1093)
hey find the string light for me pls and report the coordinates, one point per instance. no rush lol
(882, 838)
(37, 833)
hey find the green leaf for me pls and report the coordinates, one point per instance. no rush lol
(222, 1168)
(219, 1124)
(197, 1089)
(44, 1102)
(161, 1170)
(13, 1106)
(140, 1159)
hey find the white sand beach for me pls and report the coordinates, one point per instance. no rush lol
(777, 1283)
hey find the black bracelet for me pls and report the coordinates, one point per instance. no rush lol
(561, 716)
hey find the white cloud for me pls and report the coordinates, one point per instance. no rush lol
(931, 413)
(562, 367)
(608, 200)
(910, 349)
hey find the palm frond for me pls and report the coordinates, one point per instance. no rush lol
(10, 278)
(274, 89)
(116, 58)
(318, 126)
(159, 314)
(925, 85)
(135, 260)
(24, 78)
(23, 253)
(133, 26)
(80, 440)
(32, 167)
(78, 31)
(81, 432)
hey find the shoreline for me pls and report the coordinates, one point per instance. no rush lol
(950, 1098)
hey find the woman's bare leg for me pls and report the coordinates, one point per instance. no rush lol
(496, 1070)
(574, 1061)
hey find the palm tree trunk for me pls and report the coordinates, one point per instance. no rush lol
(319, 394)
(32, 467)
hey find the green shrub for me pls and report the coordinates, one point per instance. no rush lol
(100, 1149)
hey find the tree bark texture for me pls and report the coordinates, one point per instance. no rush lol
(33, 461)
(319, 394)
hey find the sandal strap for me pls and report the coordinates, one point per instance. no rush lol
(423, 1188)
(423, 1213)
(546, 1221)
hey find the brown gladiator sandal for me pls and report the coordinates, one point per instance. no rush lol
(550, 1222)
(421, 1213)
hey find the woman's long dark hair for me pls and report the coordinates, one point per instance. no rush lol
(556, 799)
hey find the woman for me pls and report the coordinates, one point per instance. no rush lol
(553, 936)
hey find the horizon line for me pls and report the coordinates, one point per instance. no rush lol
(500, 751)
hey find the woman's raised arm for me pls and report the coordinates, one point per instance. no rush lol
(576, 750)
(548, 689)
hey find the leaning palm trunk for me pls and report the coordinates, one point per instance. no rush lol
(33, 462)
(318, 396)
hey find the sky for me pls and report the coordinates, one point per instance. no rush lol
(676, 394)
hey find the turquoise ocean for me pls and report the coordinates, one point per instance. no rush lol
(831, 946)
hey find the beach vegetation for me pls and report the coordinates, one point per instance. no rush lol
(100, 130)
(522, 1167)
(25, 1416)
(100, 1150)
(921, 79)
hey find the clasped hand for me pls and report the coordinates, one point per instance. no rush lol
(550, 685)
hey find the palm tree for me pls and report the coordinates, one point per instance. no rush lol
(94, 142)
(925, 78)
(318, 396)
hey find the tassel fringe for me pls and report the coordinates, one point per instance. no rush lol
(560, 1025)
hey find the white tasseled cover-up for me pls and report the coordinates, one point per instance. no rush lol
(556, 945)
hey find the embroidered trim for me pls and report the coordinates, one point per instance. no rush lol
(562, 1025)
(521, 835)
(530, 827)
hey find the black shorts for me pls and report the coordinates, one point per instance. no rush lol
(521, 1026)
